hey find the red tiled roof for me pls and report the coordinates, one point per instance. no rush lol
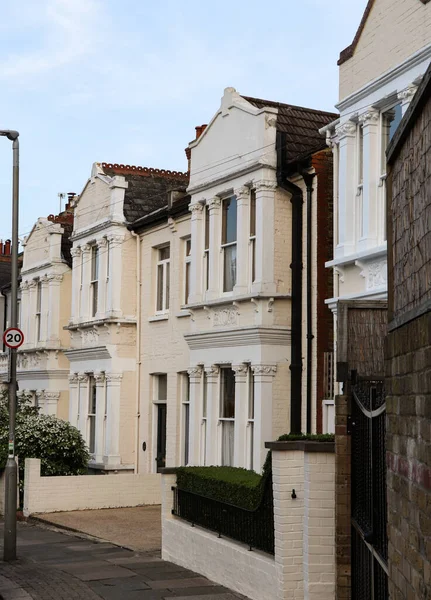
(143, 171)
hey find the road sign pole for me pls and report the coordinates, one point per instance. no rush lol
(11, 471)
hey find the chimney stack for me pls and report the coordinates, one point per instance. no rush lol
(199, 130)
(7, 248)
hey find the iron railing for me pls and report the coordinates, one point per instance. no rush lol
(252, 527)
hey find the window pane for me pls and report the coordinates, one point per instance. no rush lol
(39, 296)
(397, 115)
(250, 394)
(252, 213)
(92, 399)
(188, 247)
(253, 260)
(164, 253)
(207, 228)
(228, 429)
(229, 273)
(187, 289)
(162, 392)
(204, 407)
(159, 304)
(207, 269)
(361, 154)
(95, 286)
(186, 432)
(167, 285)
(229, 220)
(94, 263)
(227, 394)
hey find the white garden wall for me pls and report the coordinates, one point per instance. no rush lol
(81, 492)
(303, 566)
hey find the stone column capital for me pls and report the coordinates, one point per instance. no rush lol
(240, 371)
(86, 249)
(265, 184)
(99, 377)
(346, 130)
(196, 209)
(264, 370)
(214, 203)
(83, 377)
(212, 372)
(113, 378)
(76, 252)
(370, 117)
(242, 194)
(73, 378)
(195, 373)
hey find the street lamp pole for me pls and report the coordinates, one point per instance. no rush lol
(11, 471)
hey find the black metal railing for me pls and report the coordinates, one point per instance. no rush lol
(252, 527)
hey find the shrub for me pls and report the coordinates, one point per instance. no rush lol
(59, 445)
(312, 437)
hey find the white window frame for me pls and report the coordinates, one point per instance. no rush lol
(222, 420)
(165, 264)
(185, 428)
(359, 181)
(91, 416)
(187, 268)
(94, 279)
(251, 409)
(224, 246)
(206, 256)
(155, 381)
(204, 424)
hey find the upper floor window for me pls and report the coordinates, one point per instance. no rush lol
(94, 279)
(163, 275)
(187, 268)
(252, 237)
(391, 118)
(207, 247)
(229, 233)
(38, 310)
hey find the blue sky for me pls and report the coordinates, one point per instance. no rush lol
(127, 82)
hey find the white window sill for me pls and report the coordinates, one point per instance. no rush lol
(182, 313)
(163, 317)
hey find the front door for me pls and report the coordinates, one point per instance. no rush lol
(161, 437)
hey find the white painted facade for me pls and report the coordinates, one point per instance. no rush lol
(102, 325)
(44, 301)
(376, 86)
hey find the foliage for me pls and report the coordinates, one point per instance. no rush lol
(59, 445)
(310, 437)
(231, 485)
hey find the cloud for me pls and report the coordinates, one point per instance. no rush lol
(67, 31)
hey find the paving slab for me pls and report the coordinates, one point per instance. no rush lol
(55, 565)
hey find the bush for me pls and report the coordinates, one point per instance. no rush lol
(59, 445)
(311, 437)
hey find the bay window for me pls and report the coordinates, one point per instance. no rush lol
(163, 276)
(229, 239)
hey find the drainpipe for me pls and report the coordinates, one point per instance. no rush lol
(5, 315)
(308, 179)
(296, 304)
(138, 347)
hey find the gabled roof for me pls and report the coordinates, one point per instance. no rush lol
(349, 51)
(301, 126)
(148, 188)
(422, 96)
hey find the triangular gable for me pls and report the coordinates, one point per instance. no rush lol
(349, 51)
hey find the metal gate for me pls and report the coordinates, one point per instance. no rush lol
(369, 506)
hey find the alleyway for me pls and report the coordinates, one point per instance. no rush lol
(60, 566)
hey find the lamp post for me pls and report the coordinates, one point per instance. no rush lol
(11, 473)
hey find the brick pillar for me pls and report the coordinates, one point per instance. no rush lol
(342, 499)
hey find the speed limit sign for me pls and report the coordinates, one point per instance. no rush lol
(13, 337)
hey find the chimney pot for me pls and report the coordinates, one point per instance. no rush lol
(199, 130)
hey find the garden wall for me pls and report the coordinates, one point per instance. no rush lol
(81, 492)
(304, 524)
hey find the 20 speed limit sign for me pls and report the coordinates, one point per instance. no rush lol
(13, 337)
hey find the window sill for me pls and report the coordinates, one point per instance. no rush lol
(163, 317)
(182, 313)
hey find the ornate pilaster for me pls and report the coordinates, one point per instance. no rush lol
(263, 413)
(103, 246)
(83, 400)
(99, 378)
(113, 308)
(76, 283)
(51, 402)
(24, 319)
(346, 133)
(85, 282)
(243, 230)
(73, 399)
(112, 441)
(371, 171)
(214, 206)
(197, 237)
(195, 400)
(213, 405)
(241, 413)
(265, 229)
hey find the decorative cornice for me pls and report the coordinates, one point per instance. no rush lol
(195, 372)
(239, 336)
(264, 369)
(266, 184)
(79, 354)
(345, 130)
(370, 117)
(113, 377)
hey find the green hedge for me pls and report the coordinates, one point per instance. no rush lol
(312, 437)
(232, 485)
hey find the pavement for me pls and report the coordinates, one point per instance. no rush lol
(137, 528)
(60, 565)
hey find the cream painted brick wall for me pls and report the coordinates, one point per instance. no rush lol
(93, 204)
(128, 279)
(82, 492)
(223, 561)
(395, 30)
(127, 417)
(283, 242)
(163, 347)
(281, 401)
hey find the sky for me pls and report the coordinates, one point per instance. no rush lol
(87, 81)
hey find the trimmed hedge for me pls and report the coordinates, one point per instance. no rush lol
(311, 437)
(231, 485)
